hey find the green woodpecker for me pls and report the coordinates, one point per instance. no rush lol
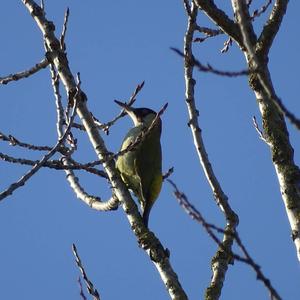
(140, 168)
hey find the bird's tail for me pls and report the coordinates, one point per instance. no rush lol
(145, 214)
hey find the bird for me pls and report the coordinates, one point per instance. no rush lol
(141, 167)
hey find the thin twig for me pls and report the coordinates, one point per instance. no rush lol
(168, 173)
(142, 135)
(13, 141)
(24, 74)
(220, 18)
(208, 68)
(82, 295)
(90, 287)
(131, 100)
(260, 133)
(64, 30)
(227, 44)
(197, 216)
(94, 202)
(54, 164)
(37, 166)
(209, 32)
(105, 126)
(259, 11)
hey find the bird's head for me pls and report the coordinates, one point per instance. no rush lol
(139, 116)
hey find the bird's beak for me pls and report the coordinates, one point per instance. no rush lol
(129, 110)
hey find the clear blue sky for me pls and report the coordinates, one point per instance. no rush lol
(115, 45)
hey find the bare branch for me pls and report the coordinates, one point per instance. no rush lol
(227, 44)
(132, 99)
(168, 173)
(187, 6)
(54, 164)
(220, 18)
(64, 30)
(106, 126)
(90, 287)
(93, 201)
(208, 31)
(13, 141)
(37, 166)
(146, 239)
(258, 12)
(219, 262)
(247, 30)
(66, 160)
(273, 110)
(24, 74)
(197, 216)
(271, 28)
(208, 68)
(82, 295)
(132, 146)
(260, 133)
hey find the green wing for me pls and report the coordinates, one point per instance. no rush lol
(148, 168)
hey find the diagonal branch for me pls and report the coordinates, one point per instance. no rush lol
(271, 27)
(90, 287)
(105, 126)
(146, 239)
(144, 133)
(220, 18)
(38, 165)
(258, 12)
(24, 74)
(197, 216)
(132, 99)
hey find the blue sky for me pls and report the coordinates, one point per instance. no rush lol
(115, 45)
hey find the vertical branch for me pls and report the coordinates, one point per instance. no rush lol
(273, 112)
(222, 258)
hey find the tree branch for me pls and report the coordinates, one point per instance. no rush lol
(147, 240)
(271, 27)
(276, 133)
(90, 286)
(24, 74)
(13, 141)
(209, 69)
(197, 216)
(220, 18)
(222, 259)
(54, 164)
(37, 166)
